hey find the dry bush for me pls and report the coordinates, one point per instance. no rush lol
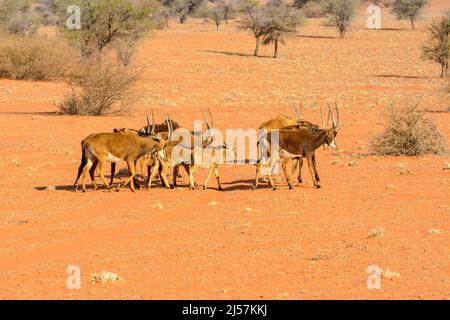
(125, 48)
(408, 133)
(98, 89)
(35, 58)
(313, 9)
(24, 23)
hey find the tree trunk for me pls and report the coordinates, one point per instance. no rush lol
(444, 70)
(225, 15)
(276, 49)
(342, 31)
(413, 25)
(257, 47)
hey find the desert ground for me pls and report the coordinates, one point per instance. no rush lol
(304, 243)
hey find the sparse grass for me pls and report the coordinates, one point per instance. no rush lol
(408, 133)
(158, 206)
(433, 231)
(376, 233)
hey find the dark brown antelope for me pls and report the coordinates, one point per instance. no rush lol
(296, 143)
(116, 147)
(288, 124)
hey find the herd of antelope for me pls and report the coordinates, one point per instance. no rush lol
(153, 144)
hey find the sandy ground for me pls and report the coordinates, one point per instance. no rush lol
(304, 243)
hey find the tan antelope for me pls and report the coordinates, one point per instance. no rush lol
(156, 128)
(296, 143)
(116, 147)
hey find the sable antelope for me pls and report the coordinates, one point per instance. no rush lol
(116, 147)
(192, 165)
(211, 164)
(288, 124)
(283, 121)
(295, 143)
(157, 128)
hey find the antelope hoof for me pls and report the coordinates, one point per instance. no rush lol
(317, 185)
(192, 187)
(205, 187)
(274, 188)
(290, 186)
(220, 188)
(317, 179)
(300, 180)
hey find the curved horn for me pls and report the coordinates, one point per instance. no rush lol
(333, 121)
(323, 119)
(206, 120)
(337, 114)
(169, 128)
(212, 118)
(297, 112)
(153, 122)
(329, 114)
(148, 124)
(300, 111)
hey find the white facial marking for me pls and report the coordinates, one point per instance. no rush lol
(333, 145)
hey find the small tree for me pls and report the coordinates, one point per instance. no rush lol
(228, 8)
(216, 15)
(104, 21)
(438, 48)
(341, 13)
(185, 8)
(409, 9)
(280, 21)
(252, 20)
(24, 23)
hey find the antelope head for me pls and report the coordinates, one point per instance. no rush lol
(332, 132)
(210, 125)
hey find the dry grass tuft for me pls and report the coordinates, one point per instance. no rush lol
(375, 233)
(408, 133)
(104, 277)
